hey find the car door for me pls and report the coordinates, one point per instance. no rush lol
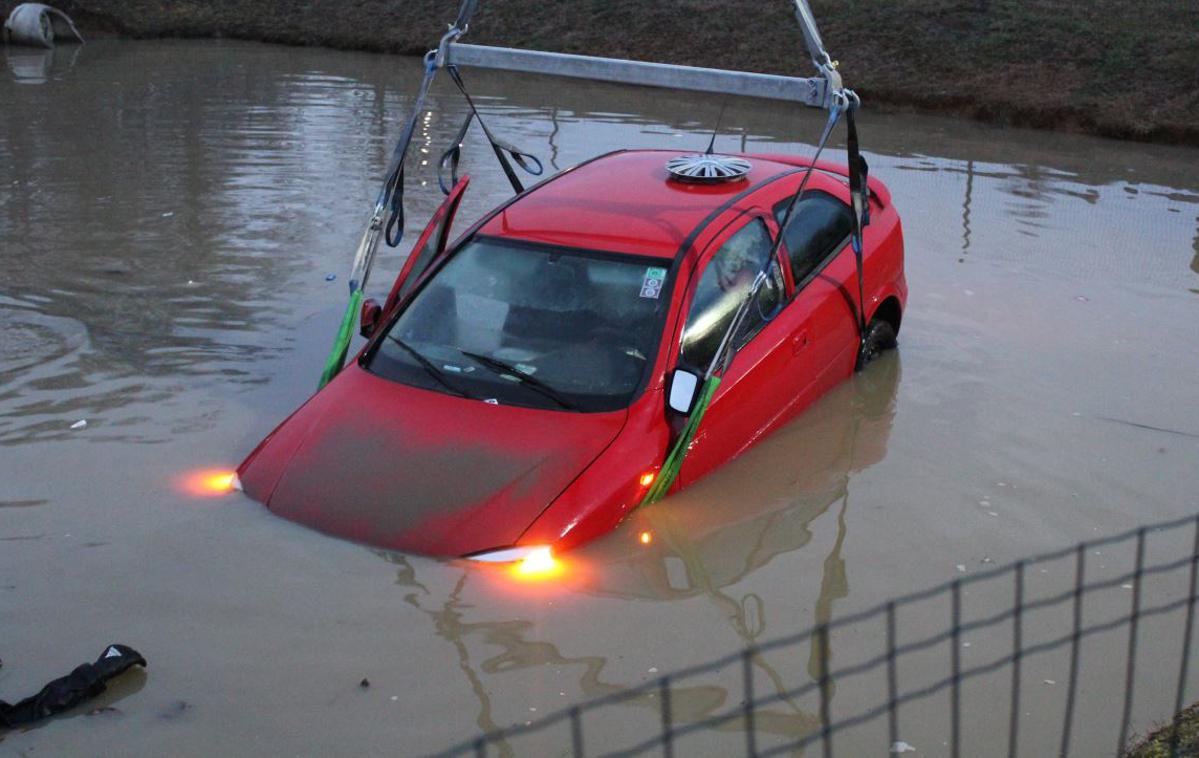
(428, 246)
(823, 309)
(753, 391)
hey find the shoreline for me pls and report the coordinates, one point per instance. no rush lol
(1118, 76)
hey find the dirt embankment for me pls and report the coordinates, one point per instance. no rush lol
(1108, 67)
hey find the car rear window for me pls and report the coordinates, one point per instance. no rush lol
(820, 225)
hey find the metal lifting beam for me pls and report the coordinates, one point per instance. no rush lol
(810, 91)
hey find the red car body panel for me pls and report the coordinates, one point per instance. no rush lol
(396, 466)
(424, 471)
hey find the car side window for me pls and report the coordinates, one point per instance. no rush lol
(819, 225)
(722, 288)
(424, 256)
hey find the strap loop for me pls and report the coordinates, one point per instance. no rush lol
(505, 152)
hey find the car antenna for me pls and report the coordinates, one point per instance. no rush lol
(724, 103)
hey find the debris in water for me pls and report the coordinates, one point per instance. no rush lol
(365, 683)
(993, 513)
(330, 277)
(653, 669)
(902, 747)
(168, 214)
(64, 693)
(39, 25)
(1083, 299)
(1125, 586)
(961, 568)
(80, 424)
(1050, 681)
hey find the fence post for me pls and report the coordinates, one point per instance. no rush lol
(1013, 734)
(1130, 671)
(1185, 663)
(576, 732)
(955, 657)
(1080, 558)
(667, 717)
(747, 684)
(892, 680)
(826, 731)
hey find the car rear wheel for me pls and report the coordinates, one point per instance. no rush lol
(880, 336)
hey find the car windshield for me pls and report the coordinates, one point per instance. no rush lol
(530, 325)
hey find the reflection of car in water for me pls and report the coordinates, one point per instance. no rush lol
(513, 393)
(704, 542)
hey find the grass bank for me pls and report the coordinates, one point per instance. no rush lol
(1108, 67)
(1157, 744)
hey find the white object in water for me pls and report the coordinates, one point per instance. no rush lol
(39, 25)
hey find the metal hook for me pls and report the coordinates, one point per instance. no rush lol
(443, 47)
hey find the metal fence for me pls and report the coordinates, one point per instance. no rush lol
(1174, 553)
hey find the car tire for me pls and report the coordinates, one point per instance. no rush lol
(880, 336)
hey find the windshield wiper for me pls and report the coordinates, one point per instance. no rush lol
(500, 367)
(430, 369)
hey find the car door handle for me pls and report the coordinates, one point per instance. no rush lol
(799, 341)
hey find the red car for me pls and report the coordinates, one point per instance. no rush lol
(521, 387)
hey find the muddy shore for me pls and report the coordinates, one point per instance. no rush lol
(1108, 68)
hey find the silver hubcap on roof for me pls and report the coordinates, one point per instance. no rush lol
(707, 168)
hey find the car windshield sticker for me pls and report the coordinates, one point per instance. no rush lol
(651, 285)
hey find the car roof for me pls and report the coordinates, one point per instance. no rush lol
(626, 202)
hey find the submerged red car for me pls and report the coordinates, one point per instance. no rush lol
(521, 387)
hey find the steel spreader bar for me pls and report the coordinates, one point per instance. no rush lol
(809, 91)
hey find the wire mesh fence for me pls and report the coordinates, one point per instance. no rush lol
(1140, 584)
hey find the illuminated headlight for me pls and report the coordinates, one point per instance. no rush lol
(513, 554)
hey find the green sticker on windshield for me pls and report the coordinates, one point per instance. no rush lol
(651, 285)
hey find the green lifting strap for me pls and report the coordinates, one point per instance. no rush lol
(674, 461)
(341, 345)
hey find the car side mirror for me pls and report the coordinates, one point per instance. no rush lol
(684, 386)
(368, 318)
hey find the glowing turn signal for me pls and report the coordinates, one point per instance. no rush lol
(210, 483)
(647, 479)
(646, 538)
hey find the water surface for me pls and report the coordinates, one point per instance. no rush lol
(169, 213)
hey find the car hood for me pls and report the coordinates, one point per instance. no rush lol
(399, 467)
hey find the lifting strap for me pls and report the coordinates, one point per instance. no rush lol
(859, 192)
(393, 189)
(502, 149)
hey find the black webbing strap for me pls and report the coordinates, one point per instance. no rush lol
(503, 150)
(465, 11)
(393, 188)
(859, 195)
(392, 194)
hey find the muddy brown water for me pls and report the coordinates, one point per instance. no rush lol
(169, 212)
